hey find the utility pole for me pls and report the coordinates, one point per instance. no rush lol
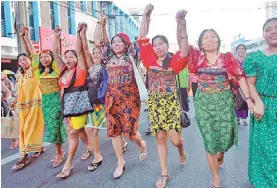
(21, 19)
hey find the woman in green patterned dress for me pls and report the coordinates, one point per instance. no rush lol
(261, 70)
(47, 71)
(214, 101)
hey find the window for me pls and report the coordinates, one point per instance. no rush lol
(3, 22)
(83, 6)
(52, 16)
(31, 14)
(69, 16)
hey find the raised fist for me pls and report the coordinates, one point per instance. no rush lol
(148, 9)
(58, 31)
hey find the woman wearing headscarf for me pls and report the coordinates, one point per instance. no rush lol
(122, 100)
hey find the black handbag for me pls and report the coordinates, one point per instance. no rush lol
(75, 100)
(239, 97)
(185, 121)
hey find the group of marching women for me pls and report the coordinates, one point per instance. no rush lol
(59, 93)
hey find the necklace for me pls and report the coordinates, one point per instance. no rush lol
(65, 77)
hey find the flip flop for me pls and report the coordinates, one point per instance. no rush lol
(20, 164)
(162, 181)
(37, 154)
(143, 152)
(86, 155)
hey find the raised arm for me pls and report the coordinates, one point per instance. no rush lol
(87, 53)
(101, 30)
(57, 48)
(22, 36)
(104, 31)
(80, 52)
(144, 26)
(182, 30)
(28, 41)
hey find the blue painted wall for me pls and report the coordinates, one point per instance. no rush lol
(8, 19)
(36, 20)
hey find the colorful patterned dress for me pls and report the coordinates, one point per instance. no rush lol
(163, 103)
(122, 100)
(31, 124)
(241, 113)
(96, 119)
(262, 167)
(214, 101)
(55, 130)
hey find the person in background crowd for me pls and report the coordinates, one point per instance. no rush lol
(183, 81)
(261, 71)
(122, 100)
(6, 98)
(241, 114)
(163, 103)
(73, 74)
(193, 83)
(29, 104)
(214, 100)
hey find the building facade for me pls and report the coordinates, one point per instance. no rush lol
(43, 16)
(271, 9)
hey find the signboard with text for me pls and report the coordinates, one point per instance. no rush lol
(68, 42)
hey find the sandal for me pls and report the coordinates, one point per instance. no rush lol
(117, 174)
(143, 151)
(125, 147)
(53, 159)
(20, 164)
(183, 157)
(163, 181)
(14, 145)
(212, 186)
(59, 162)
(36, 154)
(65, 173)
(94, 166)
(86, 155)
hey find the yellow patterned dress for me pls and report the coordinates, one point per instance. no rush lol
(55, 129)
(29, 101)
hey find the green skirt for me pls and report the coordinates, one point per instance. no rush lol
(97, 118)
(56, 132)
(164, 112)
(262, 163)
(215, 115)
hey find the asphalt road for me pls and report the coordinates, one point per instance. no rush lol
(195, 174)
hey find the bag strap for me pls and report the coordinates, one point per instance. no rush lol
(73, 77)
(179, 92)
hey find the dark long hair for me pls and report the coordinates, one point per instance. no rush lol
(168, 57)
(42, 68)
(202, 35)
(21, 70)
(73, 51)
(239, 46)
(269, 20)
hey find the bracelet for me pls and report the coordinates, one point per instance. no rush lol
(248, 98)
(186, 37)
